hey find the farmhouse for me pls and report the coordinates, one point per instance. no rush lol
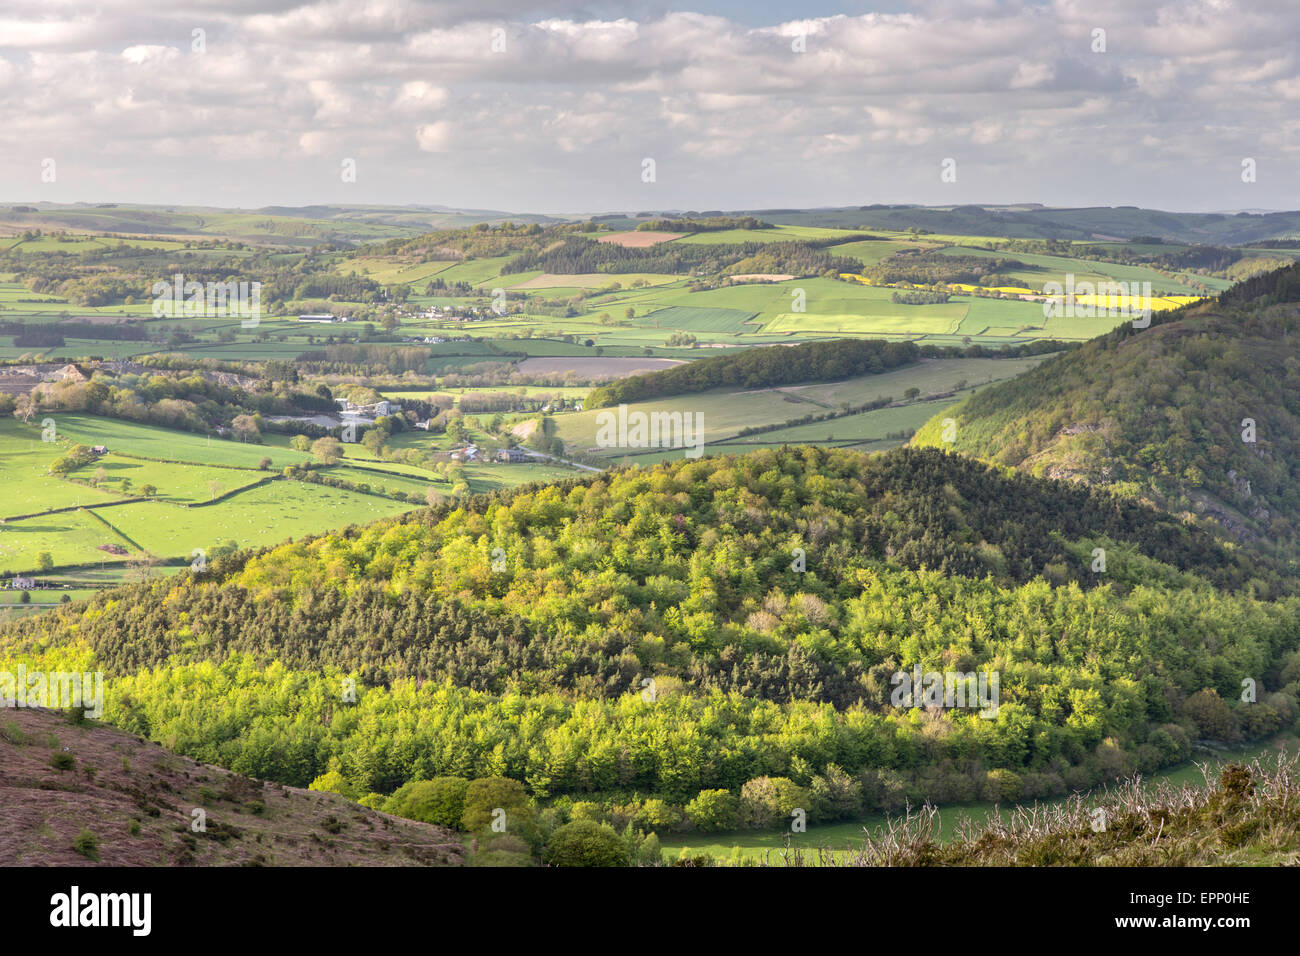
(100, 449)
(374, 410)
(21, 583)
(512, 455)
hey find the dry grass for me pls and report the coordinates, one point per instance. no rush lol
(1250, 816)
(58, 779)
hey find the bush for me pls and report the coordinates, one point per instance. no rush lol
(836, 795)
(486, 795)
(1002, 786)
(713, 810)
(87, 844)
(768, 801)
(333, 782)
(1079, 777)
(586, 810)
(656, 814)
(1258, 720)
(586, 843)
(1211, 715)
(501, 850)
(63, 761)
(1172, 742)
(440, 800)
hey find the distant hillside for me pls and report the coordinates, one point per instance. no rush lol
(1164, 413)
(116, 800)
(1032, 221)
(272, 225)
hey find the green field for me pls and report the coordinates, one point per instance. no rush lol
(1056, 268)
(261, 516)
(477, 271)
(164, 443)
(24, 469)
(387, 272)
(391, 480)
(725, 412)
(175, 482)
(167, 526)
(589, 280)
(872, 426)
(693, 319)
(70, 537)
(885, 319)
(872, 251)
(565, 391)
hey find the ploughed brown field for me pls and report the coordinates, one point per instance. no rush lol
(138, 799)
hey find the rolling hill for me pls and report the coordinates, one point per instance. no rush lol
(516, 634)
(76, 794)
(1198, 414)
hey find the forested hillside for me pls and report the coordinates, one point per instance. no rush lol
(761, 368)
(1198, 414)
(577, 254)
(649, 634)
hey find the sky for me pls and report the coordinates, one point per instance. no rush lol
(581, 107)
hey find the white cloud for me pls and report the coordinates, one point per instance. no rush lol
(435, 137)
(737, 116)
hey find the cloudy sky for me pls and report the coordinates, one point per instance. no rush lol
(554, 106)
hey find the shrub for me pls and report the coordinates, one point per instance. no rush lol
(501, 849)
(1002, 786)
(586, 843)
(586, 810)
(767, 801)
(333, 782)
(87, 844)
(440, 800)
(63, 761)
(1211, 715)
(656, 814)
(486, 795)
(713, 810)
(836, 794)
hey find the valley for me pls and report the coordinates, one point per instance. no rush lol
(651, 645)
